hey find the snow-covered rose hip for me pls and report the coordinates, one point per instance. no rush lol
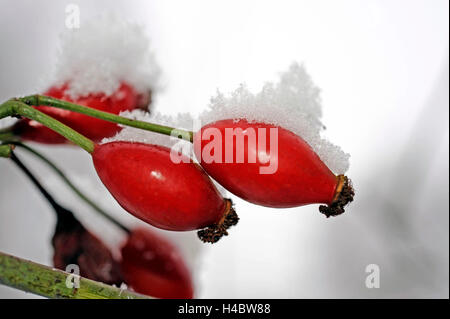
(125, 98)
(108, 64)
(285, 172)
(173, 196)
(151, 265)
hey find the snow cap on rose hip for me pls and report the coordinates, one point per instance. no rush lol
(293, 103)
(104, 52)
(114, 74)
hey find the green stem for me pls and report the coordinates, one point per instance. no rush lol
(49, 101)
(51, 283)
(6, 150)
(36, 183)
(16, 107)
(69, 183)
(7, 134)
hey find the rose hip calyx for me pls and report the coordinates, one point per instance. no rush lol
(213, 233)
(343, 196)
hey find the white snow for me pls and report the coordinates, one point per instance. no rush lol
(292, 103)
(102, 53)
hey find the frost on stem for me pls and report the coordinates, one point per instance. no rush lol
(181, 121)
(344, 195)
(213, 233)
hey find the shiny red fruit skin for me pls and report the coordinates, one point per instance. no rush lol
(125, 98)
(149, 185)
(301, 178)
(151, 265)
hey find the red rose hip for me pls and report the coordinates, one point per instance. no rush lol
(151, 265)
(74, 244)
(284, 172)
(173, 196)
(123, 99)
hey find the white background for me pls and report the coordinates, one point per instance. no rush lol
(383, 70)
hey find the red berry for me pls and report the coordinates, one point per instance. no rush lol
(30, 130)
(151, 265)
(125, 98)
(299, 176)
(148, 184)
(74, 244)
